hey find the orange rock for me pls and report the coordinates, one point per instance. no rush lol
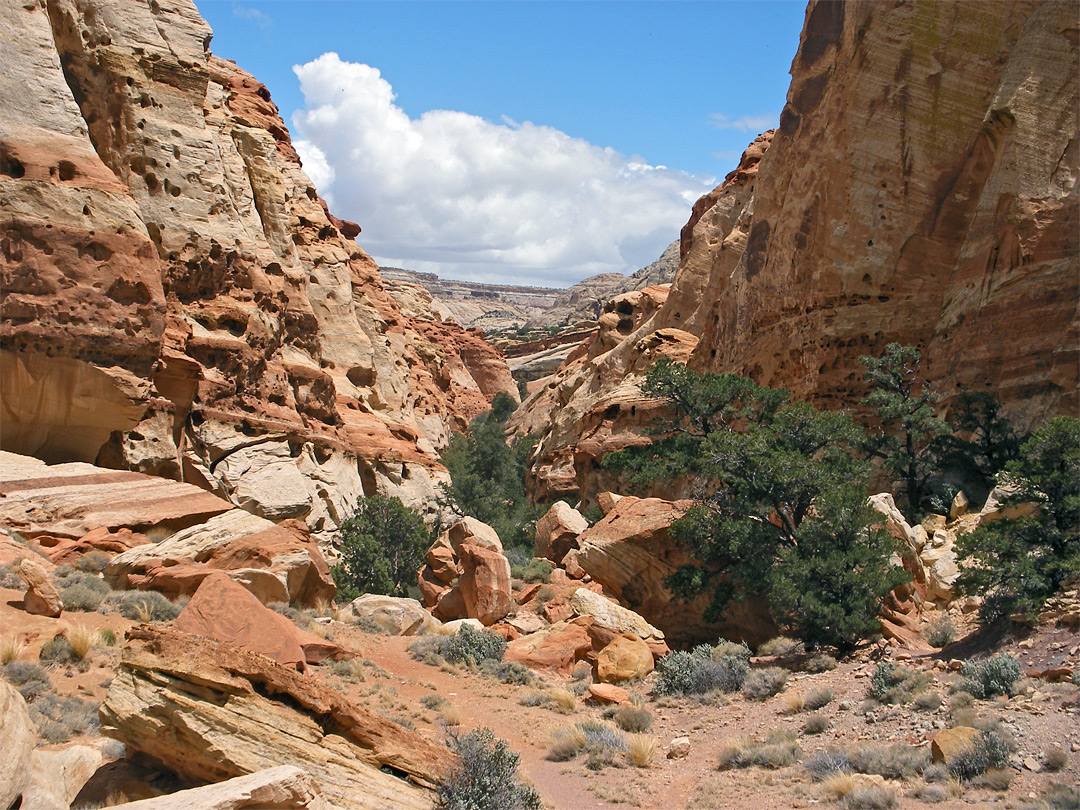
(557, 610)
(485, 583)
(67, 551)
(42, 598)
(557, 531)
(626, 658)
(558, 647)
(951, 743)
(528, 592)
(606, 693)
(224, 610)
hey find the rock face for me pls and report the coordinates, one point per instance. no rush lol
(178, 301)
(19, 737)
(283, 788)
(57, 776)
(213, 712)
(921, 188)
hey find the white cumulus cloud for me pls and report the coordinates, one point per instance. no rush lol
(467, 198)
(747, 123)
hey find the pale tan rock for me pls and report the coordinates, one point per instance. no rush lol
(611, 615)
(951, 743)
(626, 658)
(394, 615)
(456, 625)
(678, 748)
(214, 712)
(19, 736)
(470, 531)
(41, 596)
(959, 506)
(285, 787)
(526, 623)
(58, 775)
(558, 530)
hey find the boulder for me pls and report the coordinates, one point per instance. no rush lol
(11, 551)
(606, 693)
(485, 583)
(450, 605)
(606, 501)
(558, 530)
(678, 748)
(558, 647)
(285, 787)
(441, 560)
(393, 615)
(951, 743)
(64, 550)
(457, 624)
(42, 598)
(225, 611)
(612, 616)
(58, 775)
(239, 544)
(626, 658)
(212, 711)
(470, 531)
(19, 738)
(526, 623)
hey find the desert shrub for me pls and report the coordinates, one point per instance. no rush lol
(147, 606)
(11, 647)
(29, 678)
(781, 646)
(870, 797)
(816, 724)
(927, 701)
(294, 615)
(9, 578)
(829, 761)
(427, 649)
(81, 598)
(533, 699)
(566, 744)
(469, 645)
(697, 672)
(59, 719)
(563, 699)
(79, 590)
(536, 570)
(1056, 759)
(433, 702)
(998, 779)
(892, 684)
(545, 595)
(108, 637)
(58, 650)
(382, 546)
(94, 562)
(990, 676)
(511, 672)
(820, 663)
(485, 777)
(600, 741)
(817, 698)
(1057, 797)
(990, 750)
(762, 684)
(891, 761)
(632, 719)
(941, 631)
(641, 750)
(960, 700)
(778, 751)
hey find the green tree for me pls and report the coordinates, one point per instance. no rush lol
(787, 494)
(1018, 563)
(982, 441)
(487, 476)
(905, 405)
(382, 546)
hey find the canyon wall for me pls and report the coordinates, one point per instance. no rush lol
(179, 301)
(921, 188)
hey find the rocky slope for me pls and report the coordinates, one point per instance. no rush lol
(177, 298)
(921, 188)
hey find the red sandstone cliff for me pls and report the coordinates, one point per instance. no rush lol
(176, 297)
(921, 188)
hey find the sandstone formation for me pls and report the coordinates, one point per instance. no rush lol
(285, 787)
(57, 776)
(19, 737)
(42, 598)
(393, 615)
(276, 563)
(66, 551)
(557, 647)
(921, 188)
(626, 658)
(630, 554)
(178, 300)
(213, 712)
(614, 617)
(951, 743)
(558, 530)
(466, 574)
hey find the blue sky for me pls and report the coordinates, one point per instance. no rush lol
(523, 142)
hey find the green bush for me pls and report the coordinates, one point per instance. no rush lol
(511, 672)
(632, 719)
(382, 545)
(467, 646)
(58, 651)
(892, 684)
(762, 684)
(485, 777)
(147, 606)
(697, 672)
(29, 678)
(80, 590)
(990, 676)
(779, 750)
(990, 750)
(941, 632)
(536, 570)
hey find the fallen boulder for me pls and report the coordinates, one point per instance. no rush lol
(558, 530)
(42, 598)
(393, 615)
(612, 616)
(57, 776)
(466, 574)
(557, 647)
(213, 712)
(485, 583)
(952, 743)
(285, 787)
(626, 658)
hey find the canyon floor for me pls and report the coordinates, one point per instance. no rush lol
(387, 678)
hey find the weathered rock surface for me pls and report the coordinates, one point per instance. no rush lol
(65, 551)
(285, 787)
(58, 775)
(19, 737)
(558, 530)
(557, 647)
(921, 188)
(394, 615)
(179, 301)
(42, 598)
(951, 743)
(213, 712)
(466, 574)
(630, 553)
(277, 563)
(626, 658)
(613, 616)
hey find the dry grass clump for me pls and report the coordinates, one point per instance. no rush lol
(838, 785)
(998, 779)
(563, 700)
(566, 744)
(82, 640)
(781, 647)
(778, 751)
(11, 647)
(897, 761)
(632, 719)
(641, 750)
(450, 715)
(533, 699)
(815, 724)
(762, 684)
(822, 662)
(792, 703)
(934, 792)
(870, 797)
(927, 701)
(1056, 759)
(818, 698)
(599, 741)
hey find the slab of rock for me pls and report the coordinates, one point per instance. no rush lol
(457, 624)
(285, 787)
(678, 748)
(238, 543)
(19, 738)
(626, 658)
(393, 615)
(227, 612)
(41, 598)
(57, 776)
(485, 583)
(558, 647)
(606, 693)
(11, 551)
(470, 531)
(214, 712)
(951, 743)
(67, 551)
(558, 530)
(611, 615)
(526, 623)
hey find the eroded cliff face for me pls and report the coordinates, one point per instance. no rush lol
(921, 188)
(177, 298)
